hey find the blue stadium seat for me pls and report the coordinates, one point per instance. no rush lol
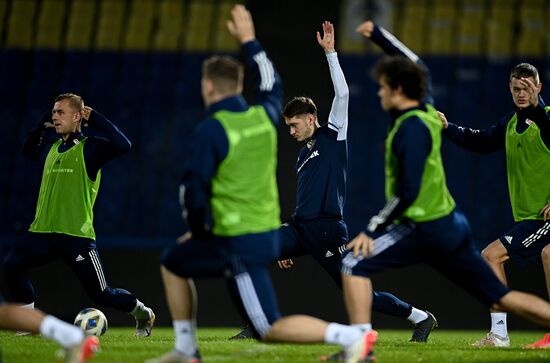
(466, 92)
(75, 75)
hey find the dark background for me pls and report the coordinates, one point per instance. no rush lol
(154, 98)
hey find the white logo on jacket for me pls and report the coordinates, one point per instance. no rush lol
(313, 155)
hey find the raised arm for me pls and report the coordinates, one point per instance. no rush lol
(267, 82)
(393, 46)
(338, 117)
(99, 150)
(39, 139)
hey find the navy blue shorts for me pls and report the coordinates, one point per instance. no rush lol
(322, 238)
(446, 244)
(244, 261)
(525, 241)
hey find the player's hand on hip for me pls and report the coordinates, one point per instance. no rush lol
(327, 41)
(285, 264)
(365, 29)
(241, 25)
(184, 237)
(545, 212)
(443, 119)
(361, 245)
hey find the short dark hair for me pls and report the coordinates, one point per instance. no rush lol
(75, 101)
(400, 71)
(300, 106)
(525, 70)
(226, 72)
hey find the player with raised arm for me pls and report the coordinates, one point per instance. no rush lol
(317, 227)
(420, 222)
(524, 135)
(63, 223)
(241, 239)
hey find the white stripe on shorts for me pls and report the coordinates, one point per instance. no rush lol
(380, 244)
(542, 231)
(252, 304)
(98, 269)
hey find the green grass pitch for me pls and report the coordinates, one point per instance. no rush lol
(119, 345)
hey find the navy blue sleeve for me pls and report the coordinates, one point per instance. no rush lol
(99, 150)
(481, 141)
(208, 149)
(411, 146)
(39, 139)
(267, 82)
(393, 46)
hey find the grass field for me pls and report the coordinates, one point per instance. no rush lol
(119, 345)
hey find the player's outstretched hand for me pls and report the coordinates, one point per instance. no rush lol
(285, 264)
(545, 212)
(241, 25)
(327, 41)
(361, 245)
(443, 119)
(365, 28)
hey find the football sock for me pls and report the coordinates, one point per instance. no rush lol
(186, 342)
(417, 316)
(343, 335)
(65, 334)
(498, 324)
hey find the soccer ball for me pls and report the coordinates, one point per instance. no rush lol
(91, 321)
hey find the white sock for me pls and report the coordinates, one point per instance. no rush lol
(65, 334)
(28, 306)
(344, 335)
(364, 327)
(186, 342)
(498, 324)
(417, 316)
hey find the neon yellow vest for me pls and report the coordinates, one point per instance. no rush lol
(67, 195)
(434, 200)
(245, 198)
(528, 169)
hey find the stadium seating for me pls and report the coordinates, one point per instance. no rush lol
(139, 63)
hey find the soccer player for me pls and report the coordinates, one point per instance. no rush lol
(63, 223)
(232, 171)
(524, 134)
(420, 222)
(317, 227)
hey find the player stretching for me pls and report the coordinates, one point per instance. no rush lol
(63, 224)
(524, 134)
(317, 227)
(232, 169)
(427, 227)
